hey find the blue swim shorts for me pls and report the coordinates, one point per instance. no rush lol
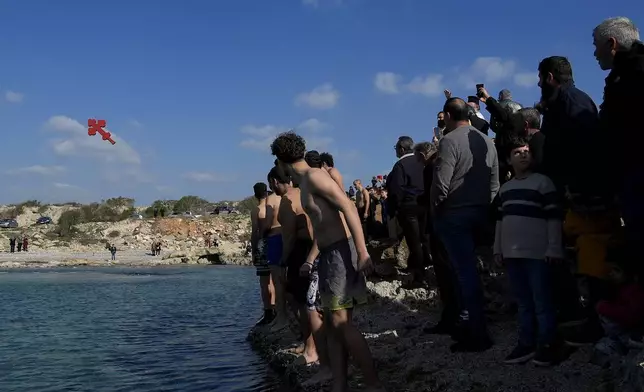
(274, 250)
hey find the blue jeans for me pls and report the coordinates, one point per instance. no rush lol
(456, 229)
(530, 283)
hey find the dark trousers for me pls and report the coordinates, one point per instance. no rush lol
(530, 282)
(446, 281)
(457, 229)
(13, 248)
(411, 220)
(632, 209)
(19, 246)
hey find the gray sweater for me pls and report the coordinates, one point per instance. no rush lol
(467, 171)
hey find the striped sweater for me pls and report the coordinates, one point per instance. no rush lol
(529, 223)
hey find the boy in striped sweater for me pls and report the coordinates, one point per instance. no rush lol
(528, 238)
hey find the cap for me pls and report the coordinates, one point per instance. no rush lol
(472, 98)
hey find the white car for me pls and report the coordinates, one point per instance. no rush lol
(136, 216)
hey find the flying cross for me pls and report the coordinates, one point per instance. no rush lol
(97, 126)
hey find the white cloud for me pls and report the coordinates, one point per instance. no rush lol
(312, 125)
(387, 82)
(62, 185)
(487, 70)
(261, 136)
(322, 97)
(430, 85)
(526, 79)
(76, 142)
(206, 177)
(37, 169)
(14, 97)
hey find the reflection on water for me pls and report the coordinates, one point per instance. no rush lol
(168, 329)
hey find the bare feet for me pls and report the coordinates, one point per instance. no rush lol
(299, 349)
(322, 376)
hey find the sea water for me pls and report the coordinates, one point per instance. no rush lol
(151, 329)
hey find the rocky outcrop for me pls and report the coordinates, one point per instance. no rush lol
(408, 359)
(183, 241)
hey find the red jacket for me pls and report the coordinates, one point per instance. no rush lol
(627, 309)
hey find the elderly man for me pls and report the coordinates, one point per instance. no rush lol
(466, 180)
(405, 184)
(618, 48)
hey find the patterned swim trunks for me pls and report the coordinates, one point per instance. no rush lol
(261, 260)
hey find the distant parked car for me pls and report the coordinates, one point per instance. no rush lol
(43, 220)
(136, 216)
(8, 223)
(224, 210)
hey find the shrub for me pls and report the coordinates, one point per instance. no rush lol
(245, 206)
(68, 221)
(190, 203)
(149, 212)
(119, 202)
(31, 203)
(114, 234)
(42, 209)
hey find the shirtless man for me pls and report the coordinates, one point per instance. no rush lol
(343, 260)
(273, 241)
(297, 239)
(259, 227)
(329, 166)
(363, 199)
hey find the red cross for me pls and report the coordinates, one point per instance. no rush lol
(94, 126)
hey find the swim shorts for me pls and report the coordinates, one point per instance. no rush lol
(341, 285)
(297, 285)
(313, 294)
(261, 261)
(274, 250)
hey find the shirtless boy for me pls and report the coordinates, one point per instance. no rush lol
(273, 241)
(329, 166)
(259, 227)
(343, 259)
(297, 239)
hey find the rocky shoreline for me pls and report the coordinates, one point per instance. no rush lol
(127, 258)
(410, 360)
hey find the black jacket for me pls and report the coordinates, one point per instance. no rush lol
(571, 154)
(404, 185)
(620, 124)
(500, 112)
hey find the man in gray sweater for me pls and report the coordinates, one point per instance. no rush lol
(466, 180)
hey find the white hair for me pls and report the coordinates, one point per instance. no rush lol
(622, 29)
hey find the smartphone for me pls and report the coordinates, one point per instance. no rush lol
(479, 86)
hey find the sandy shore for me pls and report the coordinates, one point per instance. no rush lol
(60, 258)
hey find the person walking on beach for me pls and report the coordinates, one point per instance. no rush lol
(113, 251)
(25, 243)
(12, 244)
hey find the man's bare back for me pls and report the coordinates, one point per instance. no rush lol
(328, 223)
(291, 209)
(271, 208)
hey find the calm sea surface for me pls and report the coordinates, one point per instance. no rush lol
(168, 329)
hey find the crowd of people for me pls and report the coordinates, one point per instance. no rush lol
(557, 195)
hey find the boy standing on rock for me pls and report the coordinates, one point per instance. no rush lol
(258, 218)
(113, 251)
(343, 259)
(19, 241)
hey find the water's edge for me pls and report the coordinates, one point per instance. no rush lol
(271, 348)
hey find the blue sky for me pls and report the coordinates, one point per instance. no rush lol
(195, 90)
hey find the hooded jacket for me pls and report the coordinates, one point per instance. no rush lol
(621, 124)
